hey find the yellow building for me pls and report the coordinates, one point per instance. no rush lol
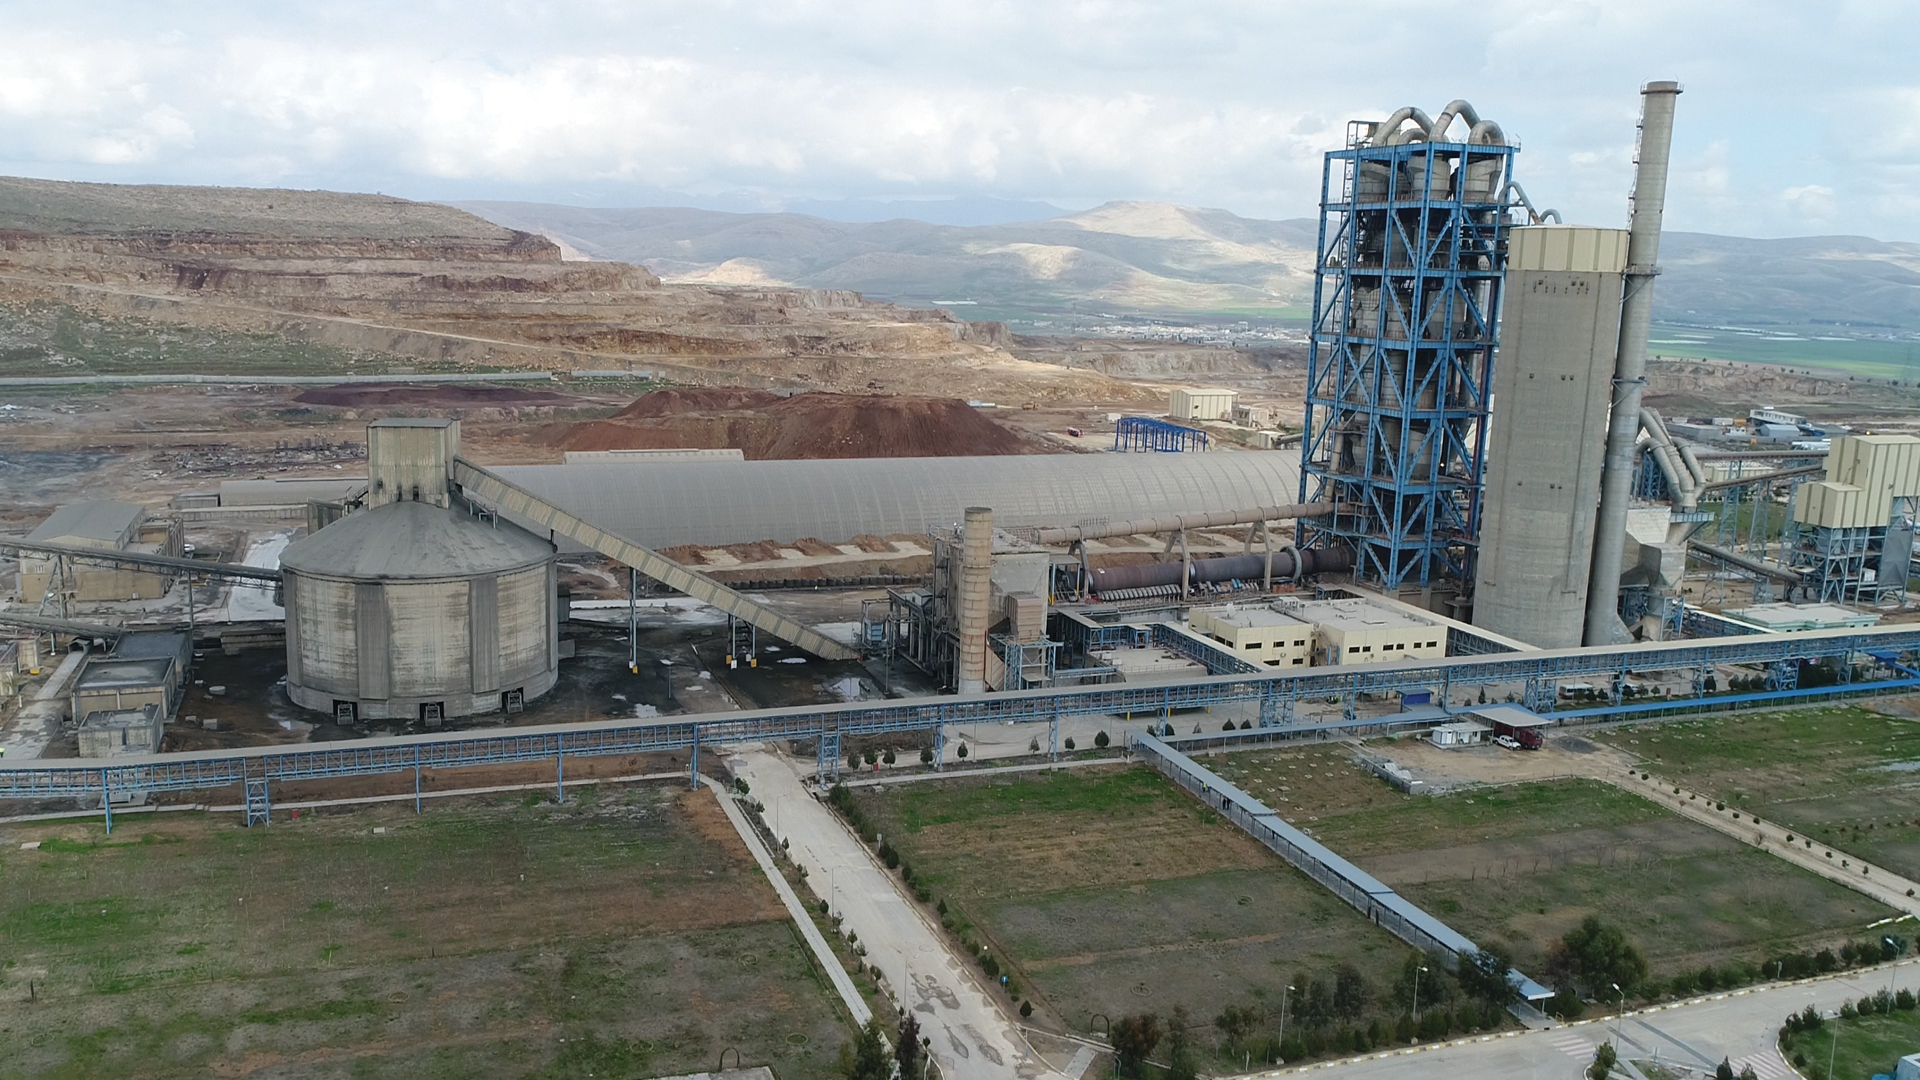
(1260, 635)
(1356, 632)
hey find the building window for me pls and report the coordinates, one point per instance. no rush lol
(1297, 661)
(1353, 648)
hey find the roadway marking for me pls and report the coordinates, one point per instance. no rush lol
(1766, 1065)
(1574, 1047)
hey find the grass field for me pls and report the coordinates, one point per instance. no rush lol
(1855, 1048)
(1827, 353)
(1521, 865)
(626, 933)
(58, 340)
(1114, 892)
(1850, 776)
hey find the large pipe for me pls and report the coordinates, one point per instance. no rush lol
(1630, 362)
(976, 587)
(1289, 564)
(1176, 522)
(1746, 562)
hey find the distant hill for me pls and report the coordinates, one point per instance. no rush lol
(1133, 256)
(1140, 256)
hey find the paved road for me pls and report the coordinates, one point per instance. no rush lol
(1739, 1027)
(972, 1040)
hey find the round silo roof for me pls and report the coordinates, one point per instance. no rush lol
(415, 540)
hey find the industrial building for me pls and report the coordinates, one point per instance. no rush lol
(103, 525)
(1202, 403)
(1261, 635)
(835, 500)
(112, 732)
(1354, 631)
(418, 607)
(122, 698)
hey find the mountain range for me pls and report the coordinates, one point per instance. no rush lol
(1158, 258)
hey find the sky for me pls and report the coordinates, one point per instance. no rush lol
(1798, 118)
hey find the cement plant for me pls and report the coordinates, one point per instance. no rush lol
(428, 652)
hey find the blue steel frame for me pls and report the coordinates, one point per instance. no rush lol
(1144, 433)
(1406, 305)
(1276, 693)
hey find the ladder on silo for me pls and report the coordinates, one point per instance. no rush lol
(259, 805)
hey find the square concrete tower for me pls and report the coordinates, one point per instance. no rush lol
(411, 460)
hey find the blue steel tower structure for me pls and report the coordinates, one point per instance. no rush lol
(1406, 305)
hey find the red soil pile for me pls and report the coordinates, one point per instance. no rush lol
(399, 396)
(765, 427)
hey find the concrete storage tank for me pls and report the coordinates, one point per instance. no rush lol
(418, 608)
(1548, 438)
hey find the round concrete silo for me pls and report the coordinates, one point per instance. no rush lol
(418, 611)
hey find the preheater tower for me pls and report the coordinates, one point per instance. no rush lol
(1548, 431)
(1411, 255)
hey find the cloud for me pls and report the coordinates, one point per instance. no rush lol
(1214, 102)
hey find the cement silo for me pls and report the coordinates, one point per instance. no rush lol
(418, 607)
(1548, 433)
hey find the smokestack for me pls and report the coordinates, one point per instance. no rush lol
(976, 583)
(1630, 362)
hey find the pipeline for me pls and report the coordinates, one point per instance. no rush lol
(1746, 562)
(1176, 522)
(1289, 564)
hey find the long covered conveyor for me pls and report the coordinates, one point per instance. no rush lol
(518, 501)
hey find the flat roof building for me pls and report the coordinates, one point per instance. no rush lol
(112, 732)
(1259, 635)
(1357, 632)
(105, 525)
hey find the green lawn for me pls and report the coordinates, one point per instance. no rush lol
(1520, 865)
(626, 933)
(1856, 1048)
(1113, 892)
(1849, 776)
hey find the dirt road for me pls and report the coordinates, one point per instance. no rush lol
(971, 1039)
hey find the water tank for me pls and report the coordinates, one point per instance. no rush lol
(416, 611)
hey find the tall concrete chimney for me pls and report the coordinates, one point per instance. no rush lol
(1630, 362)
(976, 587)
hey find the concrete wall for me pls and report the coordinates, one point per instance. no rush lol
(1552, 382)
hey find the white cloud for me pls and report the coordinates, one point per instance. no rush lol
(1790, 121)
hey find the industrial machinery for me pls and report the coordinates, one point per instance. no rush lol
(1411, 256)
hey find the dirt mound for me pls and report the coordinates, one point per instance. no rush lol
(765, 427)
(676, 400)
(400, 396)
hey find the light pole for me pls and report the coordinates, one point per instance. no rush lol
(1283, 1014)
(1416, 996)
(1619, 1012)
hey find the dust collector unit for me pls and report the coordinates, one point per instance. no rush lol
(1412, 250)
(419, 607)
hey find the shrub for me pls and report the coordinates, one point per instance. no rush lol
(888, 757)
(872, 758)
(1069, 742)
(1100, 740)
(962, 752)
(853, 759)
(926, 755)
(1566, 1005)
(1228, 726)
(1026, 1009)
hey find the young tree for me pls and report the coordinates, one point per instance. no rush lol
(1180, 1063)
(1133, 1038)
(907, 1051)
(1484, 975)
(1350, 992)
(1594, 956)
(1724, 1070)
(865, 1058)
(1236, 1022)
(1604, 1057)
